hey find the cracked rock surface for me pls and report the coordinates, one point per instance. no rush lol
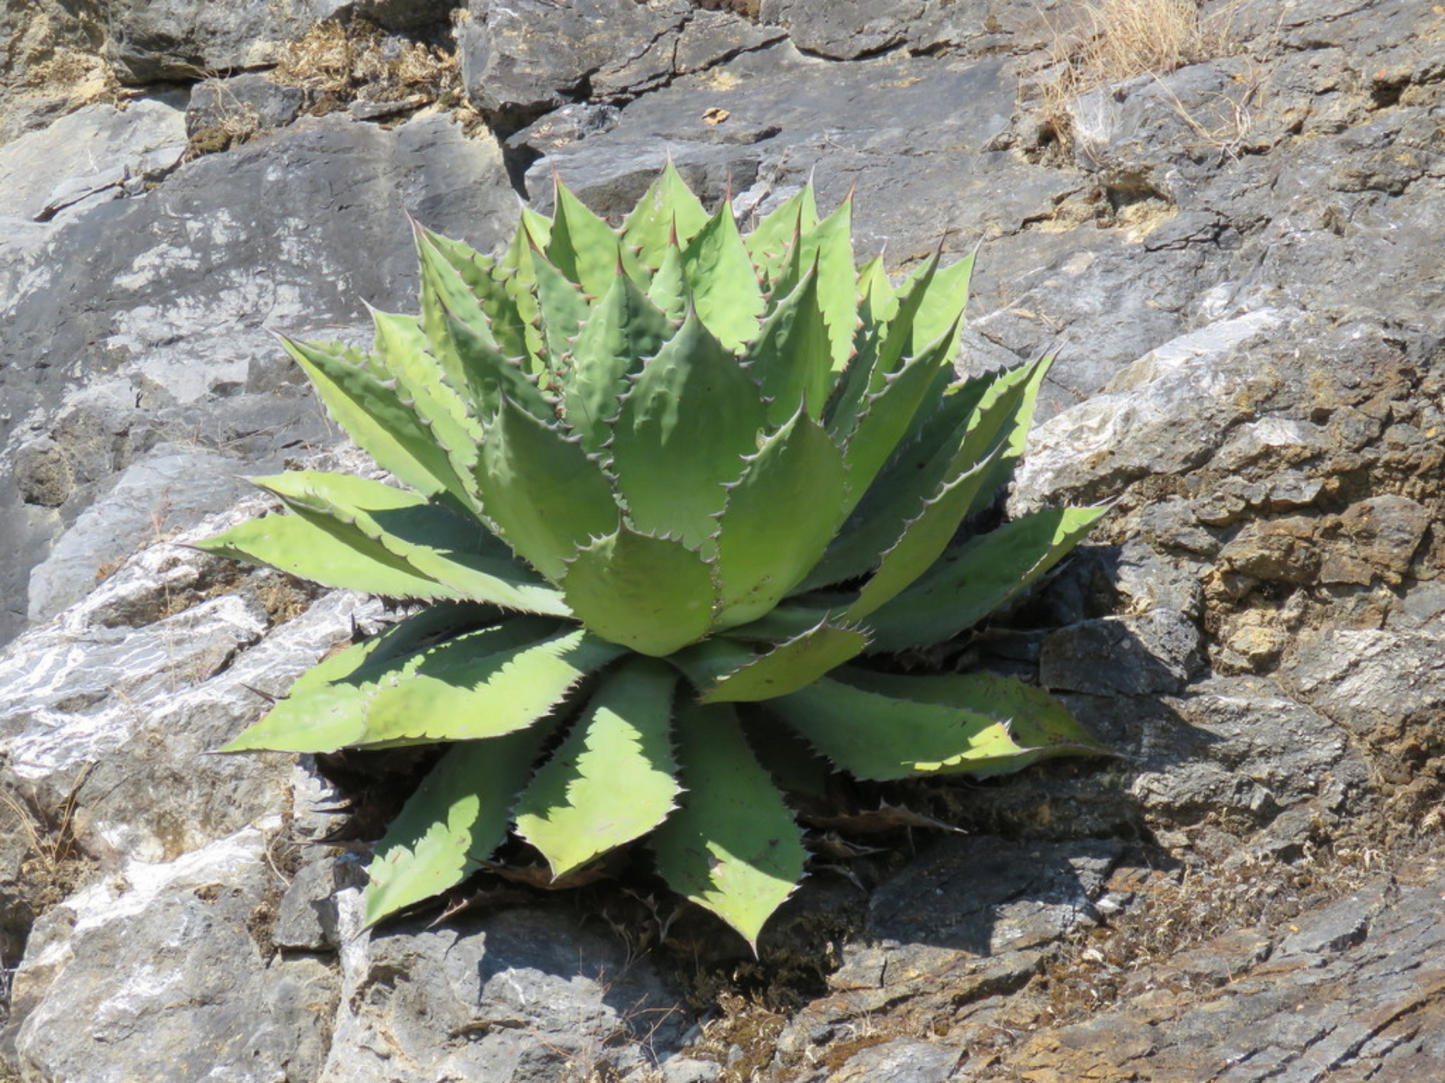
(1237, 263)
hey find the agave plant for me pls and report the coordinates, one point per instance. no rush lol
(674, 494)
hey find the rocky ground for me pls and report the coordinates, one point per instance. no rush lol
(1232, 244)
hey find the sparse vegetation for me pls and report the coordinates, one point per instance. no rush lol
(341, 63)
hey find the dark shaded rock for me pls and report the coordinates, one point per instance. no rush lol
(1005, 896)
(1131, 655)
(1242, 746)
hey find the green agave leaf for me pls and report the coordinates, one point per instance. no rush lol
(452, 824)
(545, 494)
(795, 768)
(445, 293)
(732, 847)
(625, 329)
(681, 434)
(490, 377)
(962, 430)
(669, 286)
(653, 595)
(791, 358)
(830, 248)
(612, 780)
(374, 415)
(585, 248)
(888, 414)
(943, 302)
(844, 722)
(978, 577)
(347, 560)
(877, 299)
(456, 553)
(769, 244)
(779, 519)
(482, 684)
(338, 713)
(1037, 722)
(668, 213)
(400, 348)
(923, 539)
(722, 282)
(724, 671)
(324, 708)
(881, 351)
(519, 282)
(562, 310)
(484, 277)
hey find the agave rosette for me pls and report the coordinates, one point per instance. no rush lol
(672, 491)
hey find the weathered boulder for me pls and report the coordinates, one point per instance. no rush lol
(184, 288)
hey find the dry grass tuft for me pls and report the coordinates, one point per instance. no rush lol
(1118, 40)
(340, 64)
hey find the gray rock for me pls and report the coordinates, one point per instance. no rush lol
(1358, 1002)
(174, 39)
(89, 155)
(184, 288)
(521, 995)
(249, 103)
(153, 972)
(172, 485)
(1165, 413)
(860, 28)
(523, 59)
(902, 1060)
(1129, 655)
(1242, 745)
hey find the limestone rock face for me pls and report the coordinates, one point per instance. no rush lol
(1237, 264)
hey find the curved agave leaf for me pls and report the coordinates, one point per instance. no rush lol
(452, 824)
(485, 279)
(681, 435)
(770, 243)
(721, 280)
(889, 412)
(923, 538)
(791, 357)
(842, 722)
(978, 577)
(779, 518)
(374, 415)
(545, 494)
(613, 778)
(482, 684)
(585, 248)
(829, 248)
(727, 672)
(732, 847)
(401, 349)
(1037, 722)
(457, 554)
(667, 214)
(653, 595)
(318, 715)
(623, 331)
